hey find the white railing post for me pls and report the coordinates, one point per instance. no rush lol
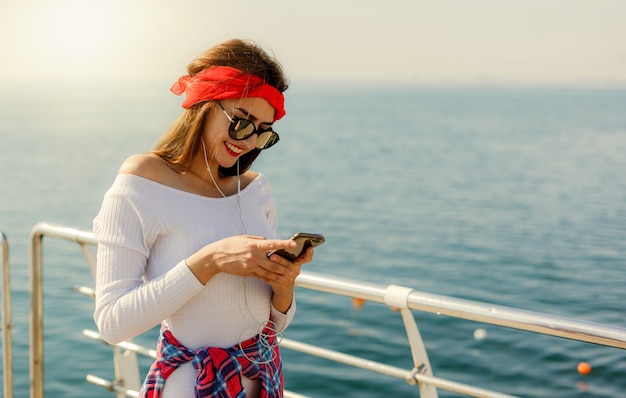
(126, 369)
(125, 361)
(6, 326)
(398, 297)
(36, 315)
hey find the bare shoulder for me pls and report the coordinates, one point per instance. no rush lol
(248, 177)
(144, 165)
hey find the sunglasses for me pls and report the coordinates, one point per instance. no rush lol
(241, 129)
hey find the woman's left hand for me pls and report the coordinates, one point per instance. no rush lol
(283, 291)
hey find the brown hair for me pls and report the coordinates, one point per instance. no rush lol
(182, 140)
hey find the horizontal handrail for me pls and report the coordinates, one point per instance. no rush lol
(147, 352)
(590, 332)
(85, 291)
(112, 386)
(67, 233)
(554, 325)
(411, 376)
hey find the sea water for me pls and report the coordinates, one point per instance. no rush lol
(512, 196)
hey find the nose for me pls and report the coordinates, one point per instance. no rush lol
(250, 142)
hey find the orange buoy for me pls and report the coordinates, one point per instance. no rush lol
(358, 303)
(584, 368)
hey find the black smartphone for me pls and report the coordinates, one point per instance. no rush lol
(304, 241)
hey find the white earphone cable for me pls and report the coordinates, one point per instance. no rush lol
(267, 353)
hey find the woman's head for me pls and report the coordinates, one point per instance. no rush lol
(234, 69)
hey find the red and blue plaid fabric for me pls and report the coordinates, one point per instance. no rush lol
(219, 370)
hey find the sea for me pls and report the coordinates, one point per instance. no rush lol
(514, 196)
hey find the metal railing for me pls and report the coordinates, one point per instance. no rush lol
(6, 326)
(403, 298)
(553, 325)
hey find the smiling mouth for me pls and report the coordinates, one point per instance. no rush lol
(232, 149)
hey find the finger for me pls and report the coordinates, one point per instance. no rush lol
(274, 273)
(273, 244)
(280, 267)
(255, 237)
(307, 257)
(275, 258)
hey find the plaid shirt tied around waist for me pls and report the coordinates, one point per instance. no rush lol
(219, 370)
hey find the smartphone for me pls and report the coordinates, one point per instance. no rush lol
(304, 241)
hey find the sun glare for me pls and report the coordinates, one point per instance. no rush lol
(76, 35)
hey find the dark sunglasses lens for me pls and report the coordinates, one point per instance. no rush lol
(266, 139)
(240, 129)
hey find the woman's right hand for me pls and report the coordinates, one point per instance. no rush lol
(242, 255)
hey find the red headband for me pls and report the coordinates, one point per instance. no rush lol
(223, 82)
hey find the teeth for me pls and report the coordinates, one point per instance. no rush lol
(233, 148)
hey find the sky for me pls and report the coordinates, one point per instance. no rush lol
(468, 42)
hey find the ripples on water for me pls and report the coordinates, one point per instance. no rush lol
(515, 197)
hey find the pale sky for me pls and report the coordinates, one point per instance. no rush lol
(569, 42)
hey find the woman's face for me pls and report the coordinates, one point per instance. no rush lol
(221, 148)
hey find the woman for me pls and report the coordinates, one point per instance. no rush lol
(184, 231)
